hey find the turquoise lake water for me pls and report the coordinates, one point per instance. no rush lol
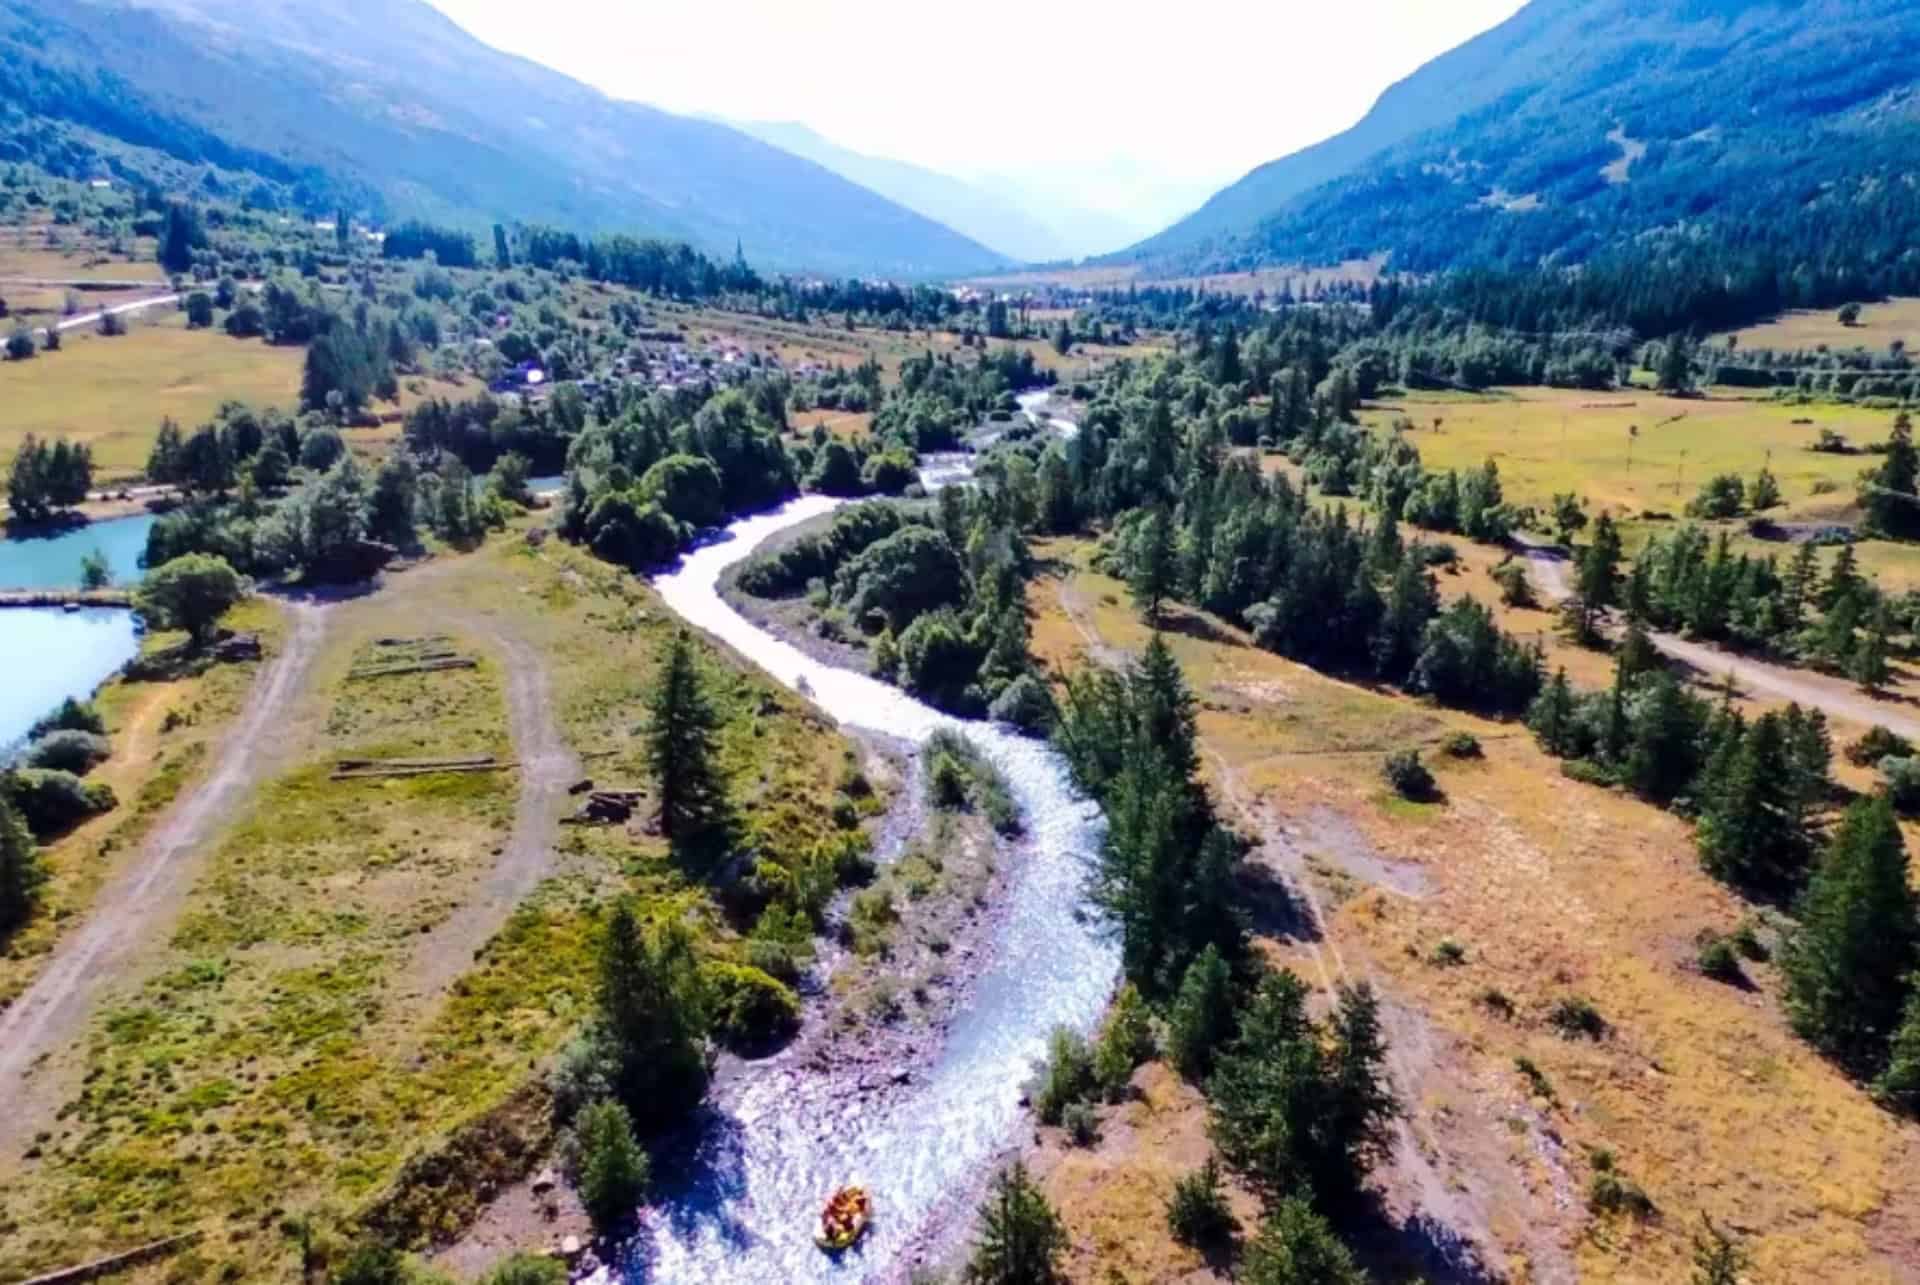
(58, 654)
(48, 655)
(53, 562)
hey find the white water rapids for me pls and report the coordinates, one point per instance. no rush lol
(778, 1139)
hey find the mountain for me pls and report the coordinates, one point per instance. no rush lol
(1100, 202)
(975, 211)
(1579, 125)
(389, 105)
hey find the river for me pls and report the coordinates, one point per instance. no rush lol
(780, 1139)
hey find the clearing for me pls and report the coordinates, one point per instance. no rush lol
(1549, 890)
(113, 392)
(1880, 324)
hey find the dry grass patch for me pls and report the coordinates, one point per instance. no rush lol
(1879, 325)
(112, 393)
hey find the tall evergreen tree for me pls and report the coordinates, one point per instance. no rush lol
(1021, 1238)
(21, 873)
(1155, 569)
(1748, 833)
(1888, 492)
(1551, 717)
(1596, 585)
(1846, 967)
(653, 1012)
(1898, 1086)
(682, 753)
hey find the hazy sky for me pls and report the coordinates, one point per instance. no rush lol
(1201, 90)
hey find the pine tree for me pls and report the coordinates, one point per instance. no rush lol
(1869, 664)
(1201, 1017)
(1551, 716)
(1412, 602)
(1021, 1238)
(682, 748)
(1899, 1085)
(613, 1168)
(1802, 580)
(1676, 366)
(1597, 580)
(21, 873)
(1664, 755)
(1154, 571)
(1843, 580)
(1846, 968)
(653, 1013)
(1888, 492)
(1296, 1246)
(1747, 834)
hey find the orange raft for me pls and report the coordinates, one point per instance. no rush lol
(844, 1220)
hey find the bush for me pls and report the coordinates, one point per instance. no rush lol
(1902, 777)
(1067, 1078)
(1027, 705)
(1125, 1042)
(1297, 1246)
(613, 1168)
(1083, 1130)
(1407, 775)
(1575, 1017)
(1449, 953)
(1877, 744)
(71, 716)
(1719, 961)
(527, 1269)
(68, 751)
(53, 802)
(1461, 745)
(1611, 1192)
(751, 1010)
(1198, 1213)
(1537, 1082)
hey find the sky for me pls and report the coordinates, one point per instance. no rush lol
(1186, 96)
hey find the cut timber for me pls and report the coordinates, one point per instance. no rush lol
(114, 1264)
(414, 667)
(459, 760)
(607, 807)
(376, 769)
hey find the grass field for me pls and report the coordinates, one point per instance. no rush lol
(1362, 271)
(1551, 889)
(1880, 324)
(26, 252)
(270, 1058)
(113, 392)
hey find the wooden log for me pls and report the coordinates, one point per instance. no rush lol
(456, 760)
(115, 1263)
(378, 773)
(414, 667)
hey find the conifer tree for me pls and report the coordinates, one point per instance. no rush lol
(1551, 716)
(1748, 834)
(1021, 1237)
(1888, 492)
(1152, 577)
(1899, 1085)
(1869, 664)
(682, 747)
(1802, 581)
(21, 873)
(1201, 1017)
(1664, 755)
(653, 1014)
(1846, 967)
(1717, 1260)
(1596, 580)
(1297, 1246)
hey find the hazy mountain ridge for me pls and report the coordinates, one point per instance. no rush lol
(1721, 113)
(388, 104)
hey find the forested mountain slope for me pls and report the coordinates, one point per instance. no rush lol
(1791, 126)
(388, 107)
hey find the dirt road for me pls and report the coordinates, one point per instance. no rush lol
(139, 901)
(1838, 698)
(547, 767)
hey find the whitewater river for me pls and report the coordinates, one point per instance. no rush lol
(782, 1139)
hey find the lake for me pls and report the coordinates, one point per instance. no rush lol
(52, 654)
(53, 562)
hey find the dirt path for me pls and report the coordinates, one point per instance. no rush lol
(139, 902)
(1839, 699)
(547, 767)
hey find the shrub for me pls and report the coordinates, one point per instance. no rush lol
(1125, 1042)
(1198, 1213)
(613, 1168)
(1718, 960)
(1079, 1122)
(1407, 775)
(68, 751)
(751, 1010)
(1297, 1246)
(71, 716)
(1461, 745)
(1027, 705)
(1021, 1239)
(1449, 953)
(527, 1269)
(1877, 744)
(1611, 1192)
(1746, 940)
(1902, 777)
(1537, 1082)
(1574, 1017)
(1067, 1077)
(53, 802)
(1496, 1001)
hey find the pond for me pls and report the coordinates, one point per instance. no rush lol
(53, 561)
(52, 654)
